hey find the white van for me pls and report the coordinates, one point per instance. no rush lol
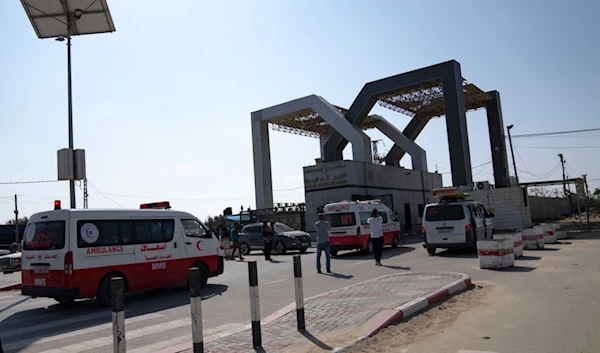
(349, 227)
(454, 221)
(71, 254)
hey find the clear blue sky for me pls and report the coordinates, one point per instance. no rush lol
(162, 106)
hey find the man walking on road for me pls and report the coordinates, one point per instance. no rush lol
(375, 221)
(322, 227)
(267, 231)
(235, 238)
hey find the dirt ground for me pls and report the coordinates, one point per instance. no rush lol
(397, 338)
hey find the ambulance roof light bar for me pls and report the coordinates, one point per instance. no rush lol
(156, 205)
(56, 205)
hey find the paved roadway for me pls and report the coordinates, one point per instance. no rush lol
(160, 319)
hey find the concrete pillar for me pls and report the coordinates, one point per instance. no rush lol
(497, 141)
(456, 126)
(418, 155)
(263, 183)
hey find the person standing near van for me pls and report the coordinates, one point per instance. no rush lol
(376, 223)
(235, 238)
(267, 231)
(322, 227)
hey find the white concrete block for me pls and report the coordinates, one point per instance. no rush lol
(549, 235)
(533, 238)
(516, 239)
(495, 253)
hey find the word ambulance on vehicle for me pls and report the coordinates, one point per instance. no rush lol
(349, 227)
(454, 221)
(74, 253)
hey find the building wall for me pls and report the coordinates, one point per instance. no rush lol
(549, 208)
(509, 205)
(337, 181)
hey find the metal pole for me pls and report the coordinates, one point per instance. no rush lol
(512, 153)
(70, 95)
(587, 200)
(299, 293)
(196, 307)
(16, 221)
(254, 304)
(118, 315)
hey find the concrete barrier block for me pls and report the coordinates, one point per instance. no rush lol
(560, 234)
(495, 253)
(549, 235)
(533, 238)
(517, 240)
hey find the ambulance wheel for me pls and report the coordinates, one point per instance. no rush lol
(280, 248)
(431, 251)
(303, 250)
(245, 248)
(104, 296)
(333, 252)
(370, 247)
(63, 301)
(203, 273)
(395, 241)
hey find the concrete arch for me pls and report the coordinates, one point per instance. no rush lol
(418, 155)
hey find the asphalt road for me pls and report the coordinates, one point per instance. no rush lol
(560, 294)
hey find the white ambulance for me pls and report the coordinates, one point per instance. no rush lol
(454, 222)
(349, 227)
(74, 253)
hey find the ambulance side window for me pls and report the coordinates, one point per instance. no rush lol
(193, 228)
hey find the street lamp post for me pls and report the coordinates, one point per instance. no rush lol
(60, 19)
(512, 152)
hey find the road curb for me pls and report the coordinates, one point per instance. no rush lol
(14, 286)
(379, 322)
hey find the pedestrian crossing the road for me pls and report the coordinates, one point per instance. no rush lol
(42, 326)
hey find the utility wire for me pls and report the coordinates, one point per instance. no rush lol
(101, 193)
(558, 147)
(554, 133)
(29, 182)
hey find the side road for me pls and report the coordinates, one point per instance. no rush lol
(342, 317)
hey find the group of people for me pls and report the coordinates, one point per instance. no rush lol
(322, 227)
(230, 240)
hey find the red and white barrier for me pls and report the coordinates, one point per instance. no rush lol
(533, 238)
(496, 253)
(549, 236)
(517, 242)
(560, 234)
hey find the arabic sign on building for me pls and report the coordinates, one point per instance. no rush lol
(326, 175)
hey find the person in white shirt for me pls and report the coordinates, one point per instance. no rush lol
(375, 221)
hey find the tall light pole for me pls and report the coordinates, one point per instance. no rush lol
(512, 152)
(62, 19)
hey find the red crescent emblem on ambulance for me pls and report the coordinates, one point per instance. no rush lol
(198, 245)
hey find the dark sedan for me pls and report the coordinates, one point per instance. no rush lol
(284, 239)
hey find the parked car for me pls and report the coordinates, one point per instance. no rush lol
(285, 238)
(4, 252)
(10, 263)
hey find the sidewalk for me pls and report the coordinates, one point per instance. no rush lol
(343, 316)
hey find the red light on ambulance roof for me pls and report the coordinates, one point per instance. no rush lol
(163, 204)
(57, 204)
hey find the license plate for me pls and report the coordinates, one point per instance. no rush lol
(41, 269)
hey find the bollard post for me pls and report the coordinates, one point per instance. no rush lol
(254, 304)
(118, 315)
(196, 307)
(299, 293)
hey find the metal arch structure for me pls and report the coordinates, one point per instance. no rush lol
(425, 93)
(302, 110)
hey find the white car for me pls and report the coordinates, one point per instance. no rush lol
(10, 263)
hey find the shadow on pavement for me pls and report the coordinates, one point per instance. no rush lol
(317, 342)
(387, 253)
(528, 258)
(516, 269)
(339, 275)
(397, 267)
(548, 249)
(458, 253)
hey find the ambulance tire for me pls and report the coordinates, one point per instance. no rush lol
(203, 274)
(333, 252)
(104, 296)
(65, 302)
(370, 247)
(431, 251)
(395, 241)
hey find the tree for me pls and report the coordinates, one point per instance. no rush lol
(22, 220)
(597, 192)
(215, 221)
